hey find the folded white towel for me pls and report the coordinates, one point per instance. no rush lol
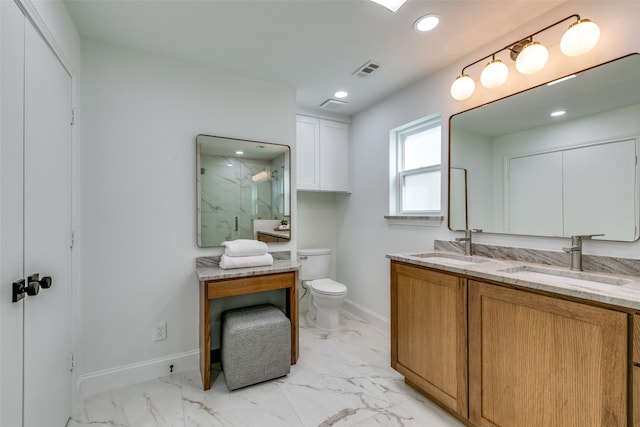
(244, 247)
(227, 262)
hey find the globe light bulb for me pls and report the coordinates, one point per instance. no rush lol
(580, 38)
(463, 87)
(532, 59)
(494, 74)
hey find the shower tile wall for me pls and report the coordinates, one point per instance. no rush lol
(227, 182)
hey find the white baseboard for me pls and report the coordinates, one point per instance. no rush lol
(122, 376)
(368, 315)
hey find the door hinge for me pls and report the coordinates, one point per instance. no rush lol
(73, 361)
(73, 239)
(73, 116)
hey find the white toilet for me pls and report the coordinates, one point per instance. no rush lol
(327, 294)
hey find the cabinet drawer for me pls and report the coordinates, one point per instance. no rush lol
(636, 339)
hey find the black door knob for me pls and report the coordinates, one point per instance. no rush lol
(33, 287)
(46, 282)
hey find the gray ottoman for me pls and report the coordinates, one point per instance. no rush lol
(256, 345)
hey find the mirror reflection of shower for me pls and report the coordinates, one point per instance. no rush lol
(236, 190)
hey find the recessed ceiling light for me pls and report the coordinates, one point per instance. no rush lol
(239, 153)
(341, 94)
(558, 113)
(426, 23)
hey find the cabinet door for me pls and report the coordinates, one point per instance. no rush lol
(429, 333)
(307, 153)
(636, 396)
(540, 361)
(334, 156)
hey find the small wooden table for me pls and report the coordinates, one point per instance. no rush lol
(255, 281)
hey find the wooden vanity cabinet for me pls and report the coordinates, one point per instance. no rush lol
(429, 333)
(636, 396)
(636, 371)
(270, 238)
(541, 361)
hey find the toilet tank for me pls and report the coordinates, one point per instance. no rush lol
(314, 263)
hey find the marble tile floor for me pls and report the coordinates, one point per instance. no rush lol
(342, 378)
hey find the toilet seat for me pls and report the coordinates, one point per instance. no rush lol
(328, 287)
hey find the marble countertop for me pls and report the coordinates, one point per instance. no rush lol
(213, 272)
(624, 291)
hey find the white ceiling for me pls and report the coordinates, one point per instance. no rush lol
(311, 45)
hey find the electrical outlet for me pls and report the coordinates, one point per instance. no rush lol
(160, 331)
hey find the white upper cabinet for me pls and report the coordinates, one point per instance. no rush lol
(322, 148)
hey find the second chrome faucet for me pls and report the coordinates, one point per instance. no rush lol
(576, 250)
(467, 239)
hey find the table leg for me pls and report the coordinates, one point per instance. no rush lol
(292, 313)
(205, 338)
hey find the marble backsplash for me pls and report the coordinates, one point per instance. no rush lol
(214, 260)
(595, 263)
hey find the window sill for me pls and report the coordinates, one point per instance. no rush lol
(415, 220)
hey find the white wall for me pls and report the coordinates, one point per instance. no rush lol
(317, 223)
(140, 115)
(475, 154)
(364, 237)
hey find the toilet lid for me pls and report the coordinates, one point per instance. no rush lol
(328, 287)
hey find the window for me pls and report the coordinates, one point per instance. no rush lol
(415, 157)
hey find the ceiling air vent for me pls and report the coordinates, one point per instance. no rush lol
(332, 104)
(366, 69)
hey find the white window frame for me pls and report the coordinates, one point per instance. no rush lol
(397, 174)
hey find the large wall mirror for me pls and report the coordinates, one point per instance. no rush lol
(532, 172)
(243, 190)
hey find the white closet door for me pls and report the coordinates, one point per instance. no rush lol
(47, 235)
(535, 195)
(600, 182)
(11, 210)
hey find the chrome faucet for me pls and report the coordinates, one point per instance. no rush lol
(576, 250)
(467, 239)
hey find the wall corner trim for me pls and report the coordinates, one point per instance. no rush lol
(122, 376)
(375, 319)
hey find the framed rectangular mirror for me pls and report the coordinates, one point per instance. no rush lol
(243, 190)
(531, 172)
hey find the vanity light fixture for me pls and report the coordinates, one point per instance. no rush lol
(530, 56)
(392, 5)
(261, 177)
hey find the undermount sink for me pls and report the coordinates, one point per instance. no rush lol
(450, 259)
(562, 277)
